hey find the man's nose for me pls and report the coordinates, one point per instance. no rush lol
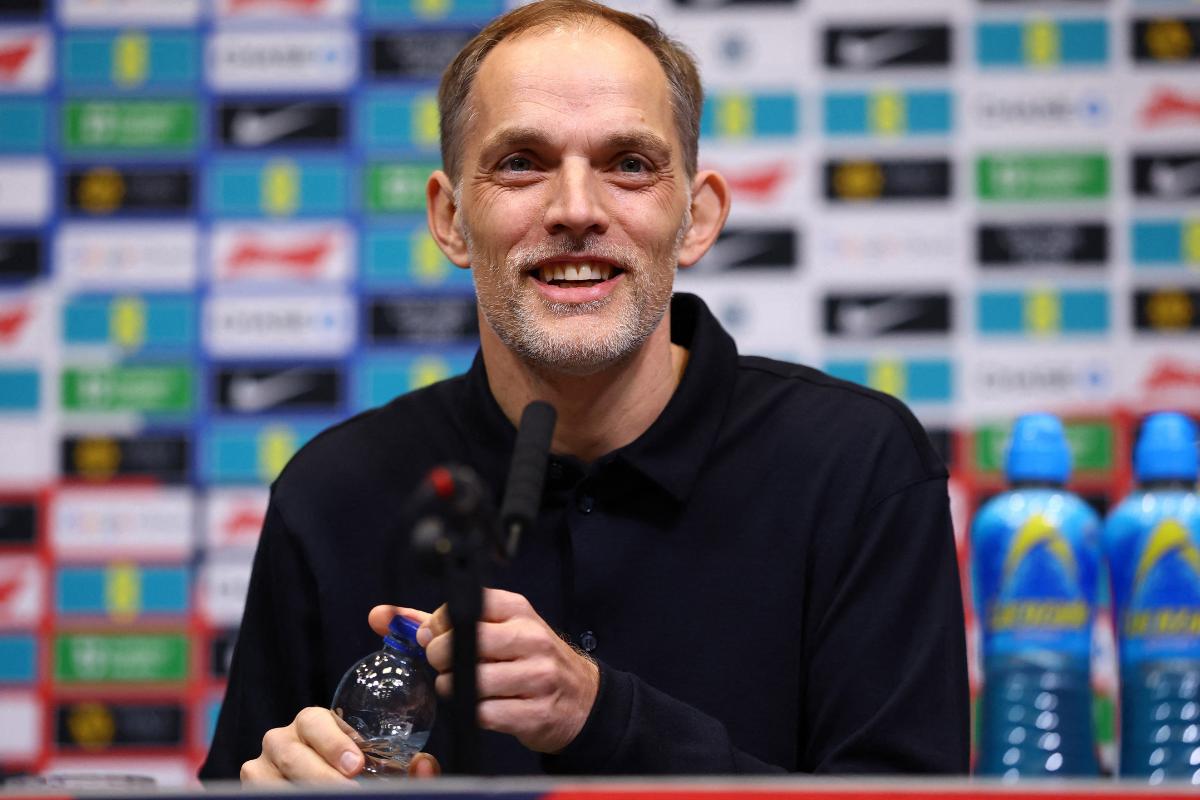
(576, 204)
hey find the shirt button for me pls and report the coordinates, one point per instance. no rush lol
(587, 640)
(585, 504)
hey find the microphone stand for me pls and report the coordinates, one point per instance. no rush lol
(452, 539)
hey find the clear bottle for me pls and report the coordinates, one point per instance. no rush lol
(1152, 541)
(388, 701)
(1035, 562)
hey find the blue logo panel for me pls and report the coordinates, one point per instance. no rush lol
(280, 187)
(1043, 312)
(130, 60)
(381, 378)
(252, 453)
(134, 323)
(432, 11)
(20, 389)
(22, 125)
(408, 257)
(914, 380)
(888, 113)
(1042, 43)
(401, 121)
(746, 116)
(124, 591)
(18, 658)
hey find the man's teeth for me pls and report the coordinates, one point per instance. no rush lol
(576, 272)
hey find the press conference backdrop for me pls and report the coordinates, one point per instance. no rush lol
(212, 246)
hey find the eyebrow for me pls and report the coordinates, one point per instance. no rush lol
(520, 138)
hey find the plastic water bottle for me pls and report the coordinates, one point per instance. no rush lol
(387, 701)
(1153, 543)
(1036, 555)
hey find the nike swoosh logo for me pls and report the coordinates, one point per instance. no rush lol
(864, 52)
(735, 249)
(872, 319)
(12, 58)
(251, 395)
(251, 129)
(1178, 181)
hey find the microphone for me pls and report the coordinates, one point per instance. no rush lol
(526, 476)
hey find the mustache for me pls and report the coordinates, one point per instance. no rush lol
(527, 258)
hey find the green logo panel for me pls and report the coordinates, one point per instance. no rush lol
(141, 389)
(121, 658)
(97, 125)
(1045, 176)
(397, 188)
(1091, 446)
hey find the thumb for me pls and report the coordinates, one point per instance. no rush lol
(381, 616)
(424, 765)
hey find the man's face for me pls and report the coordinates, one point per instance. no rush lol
(573, 197)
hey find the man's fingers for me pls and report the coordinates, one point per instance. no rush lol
(381, 616)
(323, 734)
(506, 679)
(260, 771)
(424, 765)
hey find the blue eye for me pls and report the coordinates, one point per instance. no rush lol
(518, 164)
(632, 165)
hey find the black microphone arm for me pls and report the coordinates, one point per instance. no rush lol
(527, 475)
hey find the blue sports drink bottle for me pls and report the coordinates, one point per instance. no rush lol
(1153, 544)
(1036, 556)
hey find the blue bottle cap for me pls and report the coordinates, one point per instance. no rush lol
(1166, 448)
(402, 634)
(1038, 450)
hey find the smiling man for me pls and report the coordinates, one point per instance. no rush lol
(741, 565)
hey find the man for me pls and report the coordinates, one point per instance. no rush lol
(756, 558)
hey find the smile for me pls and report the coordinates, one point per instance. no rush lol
(575, 275)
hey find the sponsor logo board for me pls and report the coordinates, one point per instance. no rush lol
(1164, 375)
(25, 191)
(279, 187)
(142, 389)
(99, 725)
(223, 584)
(129, 125)
(121, 591)
(1074, 244)
(1013, 381)
(23, 124)
(20, 389)
(409, 257)
(282, 251)
(748, 115)
(850, 180)
(1041, 108)
(1042, 176)
(1166, 39)
(250, 390)
(104, 190)
(915, 380)
(243, 325)
(751, 248)
(305, 9)
(760, 180)
(379, 379)
(120, 658)
(1091, 443)
(400, 120)
(22, 587)
(1168, 309)
(426, 11)
(234, 518)
(1041, 42)
(1043, 311)
(252, 126)
(422, 320)
(122, 521)
(18, 658)
(1166, 242)
(864, 48)
(131, 60)
(253, 453)
(871, 314)
(1167, 176)
(26, 56)
(23, 8)
(415, 54)
(130, 323)
(21, 257)
(23, 325)
(886, 245)
(1169, 106)
(21, 721)
(758, 311)
(18, 521)
(397, 187)
(300, 60)
(889, 112)
(162, 255)
(97, 457)
(127, 12)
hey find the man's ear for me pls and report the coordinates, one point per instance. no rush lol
(710, 208)
(444, 221)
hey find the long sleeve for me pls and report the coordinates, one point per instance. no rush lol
(273, 674)
(885, 689)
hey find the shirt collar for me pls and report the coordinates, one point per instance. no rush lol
(671, 452)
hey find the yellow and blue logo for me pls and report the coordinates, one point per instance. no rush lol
(889, 112)
(122, 591)
(280, 187)
(131, 322)
(737, 115)
(1167, 243)
(1043, 311)
(409, 257)
(914, 380)
(131, 60)
(1043, 43)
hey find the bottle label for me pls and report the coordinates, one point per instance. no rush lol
(1162, 615)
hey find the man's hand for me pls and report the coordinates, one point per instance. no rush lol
(317, 748)
(532, 684)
